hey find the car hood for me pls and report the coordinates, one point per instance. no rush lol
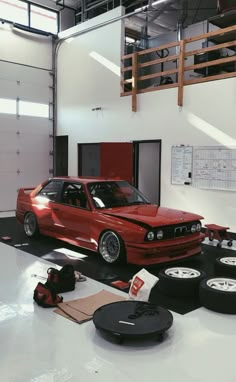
(152, 215)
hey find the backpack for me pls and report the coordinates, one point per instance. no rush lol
(45, 295)
(62, 280)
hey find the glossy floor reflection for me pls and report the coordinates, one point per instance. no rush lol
(38, 345)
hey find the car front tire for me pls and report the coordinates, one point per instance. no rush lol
(31, 225)
(111, 247)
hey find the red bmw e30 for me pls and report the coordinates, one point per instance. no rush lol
(110, 217)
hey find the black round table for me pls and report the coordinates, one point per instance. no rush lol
(133, 319)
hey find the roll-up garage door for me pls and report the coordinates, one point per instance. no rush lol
(26, 129)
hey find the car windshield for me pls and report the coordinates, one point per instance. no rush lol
(115, 194)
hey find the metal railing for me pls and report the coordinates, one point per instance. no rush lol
(212, 67)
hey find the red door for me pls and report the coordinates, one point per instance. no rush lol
(116, 160)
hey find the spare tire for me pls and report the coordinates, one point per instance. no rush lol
(218, 294)
(180, 281)
(226, 266)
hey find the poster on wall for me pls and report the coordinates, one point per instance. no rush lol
(181, 164)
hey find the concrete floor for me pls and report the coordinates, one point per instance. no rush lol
(38, 345)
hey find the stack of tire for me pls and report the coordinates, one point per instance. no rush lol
(216, 293)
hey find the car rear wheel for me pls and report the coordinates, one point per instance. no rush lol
(111, 247)
(180, 281)
(218, 294)
(30, 225)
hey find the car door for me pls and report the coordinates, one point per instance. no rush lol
(45, 203)
(73, 215)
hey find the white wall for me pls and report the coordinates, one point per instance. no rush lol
(209, 109)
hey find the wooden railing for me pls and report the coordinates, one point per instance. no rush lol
(210, 70)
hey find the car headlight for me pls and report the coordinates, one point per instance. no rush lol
(159, 234)
(150, 235)
(194, 228)
(199, 226)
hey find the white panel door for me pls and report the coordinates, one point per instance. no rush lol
(26, 142)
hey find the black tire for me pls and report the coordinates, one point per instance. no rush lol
(31, 225)
(221, 301)
(180, 286)
(230, 243)
(226, 266)
(111, 247)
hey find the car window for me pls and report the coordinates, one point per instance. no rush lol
(115, 194)
(51, 190)
(74, 194)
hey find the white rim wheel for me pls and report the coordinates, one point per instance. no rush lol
(109, 247)
(228, 260)
(223, 284)
(30, 224)
(182, 272)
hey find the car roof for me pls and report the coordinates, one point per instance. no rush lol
(86, 179)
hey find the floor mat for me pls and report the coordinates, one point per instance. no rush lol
(91, 265)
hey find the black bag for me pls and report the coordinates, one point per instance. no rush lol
(62, 280)
(45, 295)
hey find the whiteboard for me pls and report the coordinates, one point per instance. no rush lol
(214, 167)
(181, 164)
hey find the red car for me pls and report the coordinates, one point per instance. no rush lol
(110, 217)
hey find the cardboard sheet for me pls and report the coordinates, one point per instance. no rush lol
(82, 310)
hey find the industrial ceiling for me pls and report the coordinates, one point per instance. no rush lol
(159, 16)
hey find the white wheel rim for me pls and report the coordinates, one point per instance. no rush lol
(182, 272)
(222, 284)
(30, 224)
(228, 260)
(109, 246)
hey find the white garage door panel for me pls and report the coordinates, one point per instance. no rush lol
(8, 191)
(8, 88)
(32, 179)
(31, 161)
(13, 72)
(8, 138)
(34, 93)
(9, 161)
(31, 125)
(25, 142)
(25, 91)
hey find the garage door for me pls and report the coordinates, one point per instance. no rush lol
(26, 129)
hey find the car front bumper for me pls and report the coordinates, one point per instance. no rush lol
(165, 251)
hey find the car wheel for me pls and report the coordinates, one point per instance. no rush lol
(31, 225)
(218, 294)
(180, 281)
(226, 266)
(111, 247)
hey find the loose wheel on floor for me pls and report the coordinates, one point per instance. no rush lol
(180, 281)
(226, 266)
(218, 294)
(31, 225)
(111, 247)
